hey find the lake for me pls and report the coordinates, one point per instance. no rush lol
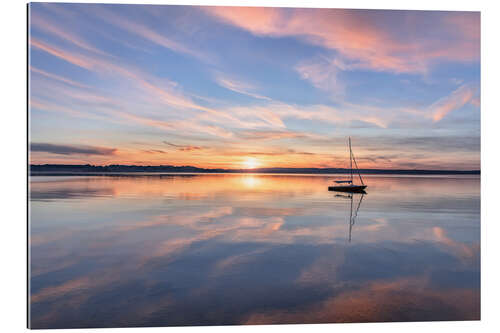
(205, 249)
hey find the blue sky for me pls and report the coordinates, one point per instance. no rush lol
(254, 87)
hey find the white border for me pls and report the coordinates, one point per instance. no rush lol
(13, 164)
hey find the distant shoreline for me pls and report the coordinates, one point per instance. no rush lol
(92, 170)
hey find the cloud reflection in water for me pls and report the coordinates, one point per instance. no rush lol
(232, 249)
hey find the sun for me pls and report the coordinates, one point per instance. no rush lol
(250, 163)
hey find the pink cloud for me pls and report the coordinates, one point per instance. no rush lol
(175, 126)
(460, 97)
(43, 24)
(168, 93)
(74, 59)
(363, 38)
(50, 107)
(57, 77)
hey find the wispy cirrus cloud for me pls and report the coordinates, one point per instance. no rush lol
(272, 114)
(238, 86)
(191, 127)
(58, 77)
(270, 135)
(39, 22)
(111, 110)
(167, 91)
(460, 97)
(71, 111)
(147, 33)
(447, 143)
(75, 59)
(364, 37)
(335, 116)
(323, 73)
(71, 149)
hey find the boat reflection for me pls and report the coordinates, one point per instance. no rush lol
(353, 213)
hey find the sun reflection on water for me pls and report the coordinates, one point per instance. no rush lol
(251, 181)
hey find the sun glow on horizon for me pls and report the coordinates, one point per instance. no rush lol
(250, 163)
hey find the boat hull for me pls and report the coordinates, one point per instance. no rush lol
(350, 188)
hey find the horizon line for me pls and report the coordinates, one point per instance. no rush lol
(246, 169)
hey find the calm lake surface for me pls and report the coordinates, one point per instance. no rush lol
(252, 249)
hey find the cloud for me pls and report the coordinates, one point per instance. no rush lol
(401, 42)
(463, 250)
(184, 148)
(347, 116)
(270, 135)
(80, 61)
(239, 87)
(62, 289)
(462, 96)
(154, 151)
(166, 93)
(58, 78)
(381, 301)
(165, 90)
(447, 143)
(41, 23)
(71, 149)
(146, 33)
(35, 103)
(323, 74)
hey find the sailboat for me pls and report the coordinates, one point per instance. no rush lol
(350, 186)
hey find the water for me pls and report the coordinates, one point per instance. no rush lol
(248, 249)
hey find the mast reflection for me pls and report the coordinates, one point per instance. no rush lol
(353, 214)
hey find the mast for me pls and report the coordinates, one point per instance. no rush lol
(350, 157)
(356, 164)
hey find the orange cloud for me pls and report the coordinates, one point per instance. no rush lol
(382, 301)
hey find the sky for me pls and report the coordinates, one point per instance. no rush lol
(241, 87)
